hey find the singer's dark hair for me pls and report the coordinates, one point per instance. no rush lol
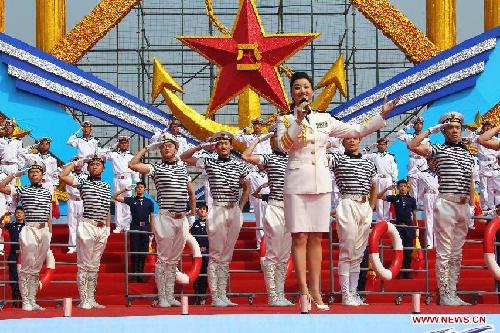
(300, 75)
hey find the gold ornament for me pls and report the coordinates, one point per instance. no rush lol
(398, 28)
(333, 79)
(2, 15)
(248, 107)
(493, 115)
(91, 29)
(491, 14)
(50, 23)
(442, 23)
(162, 79)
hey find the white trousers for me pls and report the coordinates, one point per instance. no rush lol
(259, 211)
(415, 191)
(382, 208)
(223, 227)
(75, 214)
(278, 241)
(170, 235)
(490, 191)
(33, 244)
(122, 210)
(353, 229)
(91, 242)
(208, 196)
(335, 192)
(429, 203)
(450, 229)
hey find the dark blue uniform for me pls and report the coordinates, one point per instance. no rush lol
(140, 210)
(14, 228)
(199, 231)
(404, 205)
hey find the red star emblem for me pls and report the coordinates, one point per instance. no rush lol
(248, 58)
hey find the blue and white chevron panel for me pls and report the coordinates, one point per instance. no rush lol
(450, 72)
(41, 74)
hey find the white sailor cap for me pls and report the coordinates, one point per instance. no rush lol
(418, 120)
(87, 123)
(167, 137)
(9, 122)
(123, 138)
(257, 121)
(36, 165)
(45, 138)
(222, 135)
(96, 157)
(451, 117)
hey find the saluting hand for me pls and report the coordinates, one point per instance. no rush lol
(389, 106)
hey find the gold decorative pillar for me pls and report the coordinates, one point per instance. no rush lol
(442, 23)
(491, 14)
(248, 107)
(2, 15)
(50, 23)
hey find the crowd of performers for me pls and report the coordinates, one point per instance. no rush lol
(306, 164)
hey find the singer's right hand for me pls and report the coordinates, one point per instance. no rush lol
(302, 109)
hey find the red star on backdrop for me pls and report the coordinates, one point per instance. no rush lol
(248, 58)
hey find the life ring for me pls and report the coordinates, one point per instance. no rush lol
(192, 275)
(262, 254)
(489, 247)
(47, 275)
(380, 229)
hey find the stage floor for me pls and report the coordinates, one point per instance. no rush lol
(143, 310)
(375, 318)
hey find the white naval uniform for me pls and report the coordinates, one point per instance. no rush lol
(123, 177)
(75, 209)
(11, 156)
(256, 179)
(387, 174)
(336, 147)
(84, 146)
(489, 175)
(261, 148)
(416, 164)
(428, 182)
(308, 183)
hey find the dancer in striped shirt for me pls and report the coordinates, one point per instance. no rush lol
(356, 179)
(454, 167)
(93, 228)
(226, 176)
(278, 241)
(174, 191)
(35, 237)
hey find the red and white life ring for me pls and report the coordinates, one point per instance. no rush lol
(377, 232)
(48, 274)
(262, 254)
(192, 275)
(489, 247)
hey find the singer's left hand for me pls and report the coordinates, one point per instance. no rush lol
(388, 107)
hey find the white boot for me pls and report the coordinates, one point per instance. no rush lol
(213, 284)
(269, 275)
(279, 280)
(347, 298)
(454, 275)
(91, 286)
(170, 285)
(24, 290)
(33, 278)
(161, 284)
(82, 282)
(353, 288)
(442, 275)
(223, 276)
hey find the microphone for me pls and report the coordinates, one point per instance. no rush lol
(307, 108)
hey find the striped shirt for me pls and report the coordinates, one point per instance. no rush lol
(224, 176)
(36, 202)
(96, 197)
(276, 166)
(454, 164)
(353, 174)
(171, 185)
